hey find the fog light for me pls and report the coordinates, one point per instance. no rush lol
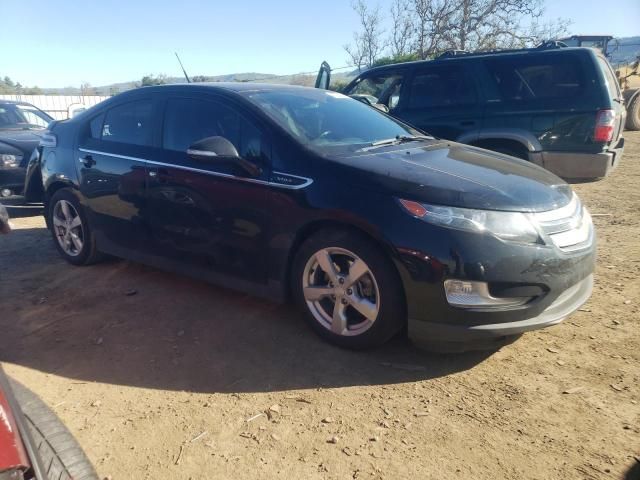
(5, 192)
(467, 294)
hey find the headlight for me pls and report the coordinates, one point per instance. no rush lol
(508, 226)
(10, 160)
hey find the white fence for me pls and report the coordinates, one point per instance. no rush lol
(57, 105)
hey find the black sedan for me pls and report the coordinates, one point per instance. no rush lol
(21, 126)
(369, 225)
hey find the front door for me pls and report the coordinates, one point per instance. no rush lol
(111, 160)
(384, 88)
(206, 215)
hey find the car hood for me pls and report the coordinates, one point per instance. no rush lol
(25, 140)
(448, 173)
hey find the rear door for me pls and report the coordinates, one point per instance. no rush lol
(441, 99)
(112, 153)
(552, 94)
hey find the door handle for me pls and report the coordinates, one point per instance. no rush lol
(88, 161)
(467, 123)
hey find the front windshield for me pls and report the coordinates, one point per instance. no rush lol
(22, 117)
(328, 122)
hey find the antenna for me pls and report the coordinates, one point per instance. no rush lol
(183, 70)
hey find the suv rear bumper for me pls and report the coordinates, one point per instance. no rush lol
(580, 165)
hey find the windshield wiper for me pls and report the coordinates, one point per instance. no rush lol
(397, 140)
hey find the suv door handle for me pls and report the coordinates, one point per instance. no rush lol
(467, 123)
(88, 161)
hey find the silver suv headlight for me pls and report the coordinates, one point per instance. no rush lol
(507, 226)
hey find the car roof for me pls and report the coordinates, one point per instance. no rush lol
(230, 86)
(475, 55)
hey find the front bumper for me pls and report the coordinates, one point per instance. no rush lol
(580, 165)
(567, 303)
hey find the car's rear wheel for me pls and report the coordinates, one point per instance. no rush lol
(70, 229)
(349, 289)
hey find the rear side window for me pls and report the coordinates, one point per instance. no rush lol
(188, 120)
(95, 126)
(544, 76)
(440, 87)
(612, 83)
(129, 123)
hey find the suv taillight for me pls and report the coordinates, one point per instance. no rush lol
(605, 121)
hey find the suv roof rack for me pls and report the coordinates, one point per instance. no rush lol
(549, 44)
(453, 53)
(546, 45)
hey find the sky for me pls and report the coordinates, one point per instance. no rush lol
(64, 43)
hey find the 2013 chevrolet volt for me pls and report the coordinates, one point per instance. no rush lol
(368, 224)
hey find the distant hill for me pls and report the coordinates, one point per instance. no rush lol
(295, 79)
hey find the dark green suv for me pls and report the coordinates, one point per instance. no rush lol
(560, 108)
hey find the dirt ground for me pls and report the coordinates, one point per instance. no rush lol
(184, 380)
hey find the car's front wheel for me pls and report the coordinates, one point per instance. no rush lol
(70, 229)
(349, 289)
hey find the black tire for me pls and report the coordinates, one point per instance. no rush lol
(391, 317)
(633, 114)
(89, 254)
(60, 455)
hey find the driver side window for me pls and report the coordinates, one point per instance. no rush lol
(188, 120)
(383, 88)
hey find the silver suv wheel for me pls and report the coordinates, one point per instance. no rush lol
(68, 228)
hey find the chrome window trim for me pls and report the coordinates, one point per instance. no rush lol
(306, 183)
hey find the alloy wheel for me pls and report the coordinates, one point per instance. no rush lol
(341, 291)
(68, 228)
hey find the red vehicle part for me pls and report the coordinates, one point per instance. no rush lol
(13, 455)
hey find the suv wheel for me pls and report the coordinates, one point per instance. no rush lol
(349, 290)
(633, 114)
(70, 229)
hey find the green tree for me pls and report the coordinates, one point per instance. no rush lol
(149, 80)
(409, 57)
(33, 91)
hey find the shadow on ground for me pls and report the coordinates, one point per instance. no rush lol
(123, 323)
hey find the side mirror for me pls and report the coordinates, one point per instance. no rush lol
(74, 109)
(220, 150)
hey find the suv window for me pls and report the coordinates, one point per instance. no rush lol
(524, 78)
(383, 88)
(441, 86)
(188, 120)
(129, 123)
(95, 126)
(612, 83)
